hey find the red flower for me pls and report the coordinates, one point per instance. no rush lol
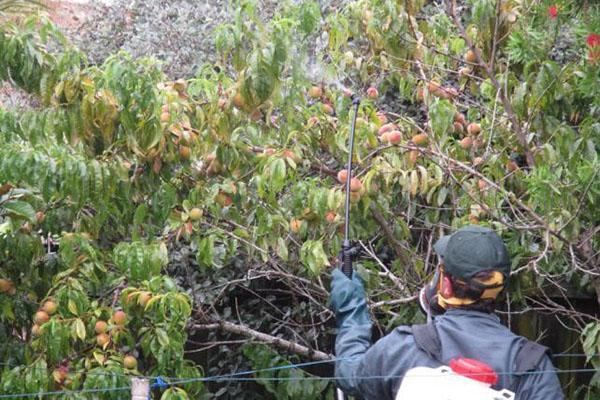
(553, 12)
(593, 40)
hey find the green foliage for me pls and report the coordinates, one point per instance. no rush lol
(173, 201)
(140, 262)
(291, 386)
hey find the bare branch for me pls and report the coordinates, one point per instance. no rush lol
(280, 343)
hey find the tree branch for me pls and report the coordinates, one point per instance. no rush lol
(389, 233)
(280, 343)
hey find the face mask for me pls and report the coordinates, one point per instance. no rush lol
(428, 296)
(438, 295)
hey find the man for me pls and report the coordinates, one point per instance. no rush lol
(474, 268)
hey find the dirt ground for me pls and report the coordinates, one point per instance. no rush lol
(69, 14)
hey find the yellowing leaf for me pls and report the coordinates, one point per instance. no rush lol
(99, 357)
(72, 307)
(79, 328)
(414, 183)
(424, 180)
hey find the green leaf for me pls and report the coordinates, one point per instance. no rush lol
(442, 114)
(313, 256)
(205, 251)
(277, 171)
(162, 337)
(281, 249)
(20, 209)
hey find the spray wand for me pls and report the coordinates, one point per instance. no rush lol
(347, 251)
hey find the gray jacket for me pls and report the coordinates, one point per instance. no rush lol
(375, 371)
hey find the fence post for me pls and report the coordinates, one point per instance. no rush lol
(140, 389)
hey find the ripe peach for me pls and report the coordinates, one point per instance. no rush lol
(473, 128)
(119, 317)
(327, 109)
(315, 92)
(420, 139)
(420, 96)
(393, 137)
(330, 216)
(102, 339)
(342, 176)
(36, 330)
(129, 362)
(295, 225)
(458, 127)
(466, 143)
(355, 197)
(355, 185)
(470, 57)
(184, 152)
(372, 93)
(5, 285)
(381, 117)
(387, 128)
(41, 317)
(460, 117)
(101, 327)
(238, 101)
(49, 306)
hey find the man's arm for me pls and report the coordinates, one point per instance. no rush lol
(541, 384)
(371, 371)
(349, 303)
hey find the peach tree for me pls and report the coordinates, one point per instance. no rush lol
(138, 210)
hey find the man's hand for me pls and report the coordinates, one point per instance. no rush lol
(346, 256)
(348, 299)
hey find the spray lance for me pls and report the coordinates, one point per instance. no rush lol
(347, 250)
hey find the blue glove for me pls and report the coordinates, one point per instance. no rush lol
(349, 303)
(348, 300)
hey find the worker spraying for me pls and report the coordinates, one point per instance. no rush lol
(463, 352)
(464, 332)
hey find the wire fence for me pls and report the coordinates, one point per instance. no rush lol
(250, 375)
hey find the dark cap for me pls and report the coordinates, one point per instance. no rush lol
(472, 249)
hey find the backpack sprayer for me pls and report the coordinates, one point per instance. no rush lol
(347, 251)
